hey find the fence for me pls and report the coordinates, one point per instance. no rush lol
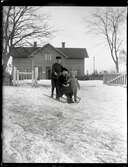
(115, 79)
(21, 77)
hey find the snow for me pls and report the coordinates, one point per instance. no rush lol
(37, 128)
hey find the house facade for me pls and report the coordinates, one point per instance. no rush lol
(25, 59)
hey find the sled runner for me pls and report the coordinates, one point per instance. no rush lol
(64, 99)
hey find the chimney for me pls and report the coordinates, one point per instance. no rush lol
(35, 44)
(63, 44)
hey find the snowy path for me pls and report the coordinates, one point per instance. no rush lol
(39, 129)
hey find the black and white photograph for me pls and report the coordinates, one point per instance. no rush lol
(64, 86)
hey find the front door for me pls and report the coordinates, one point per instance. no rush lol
(48, 73)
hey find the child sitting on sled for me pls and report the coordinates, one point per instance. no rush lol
(64, 86)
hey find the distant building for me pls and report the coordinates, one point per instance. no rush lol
(26, 58)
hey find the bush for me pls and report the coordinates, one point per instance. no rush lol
(81, 77)
(96, 77)
(91, 77)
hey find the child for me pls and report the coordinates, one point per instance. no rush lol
(74, 85)
(65, 87)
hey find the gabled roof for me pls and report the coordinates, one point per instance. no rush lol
(71, 53)
(74, 53)
(23, 52)
(49, 45)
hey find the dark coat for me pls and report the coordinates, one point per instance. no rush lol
(56, 68)
(65, 88)
(62, 80)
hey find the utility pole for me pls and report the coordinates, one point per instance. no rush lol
(94, 64)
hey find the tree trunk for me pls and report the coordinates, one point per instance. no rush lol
(117, 66)
(5, 60)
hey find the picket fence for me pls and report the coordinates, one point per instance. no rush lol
(115, 79)
(20, 78)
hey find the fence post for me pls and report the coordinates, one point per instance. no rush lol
(17, 77)
(104, 78)
(36, 73)
(14, 76)
(22, 78)
(32, 77)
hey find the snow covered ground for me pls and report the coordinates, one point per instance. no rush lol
(37, 128)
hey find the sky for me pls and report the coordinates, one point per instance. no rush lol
(73, 30)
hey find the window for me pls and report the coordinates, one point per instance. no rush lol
(48, 57)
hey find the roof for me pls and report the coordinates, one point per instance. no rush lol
(72, 53)
(48, 45)
(23, 52)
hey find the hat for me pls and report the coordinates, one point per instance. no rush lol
(58, 57)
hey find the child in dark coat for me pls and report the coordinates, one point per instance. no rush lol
(65, 87)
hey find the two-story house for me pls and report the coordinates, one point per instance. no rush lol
(26, 58)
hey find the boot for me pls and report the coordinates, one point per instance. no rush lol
(58, 98)
(69, 100)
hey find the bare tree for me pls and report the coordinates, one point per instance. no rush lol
(106, 22)
(21, 26)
